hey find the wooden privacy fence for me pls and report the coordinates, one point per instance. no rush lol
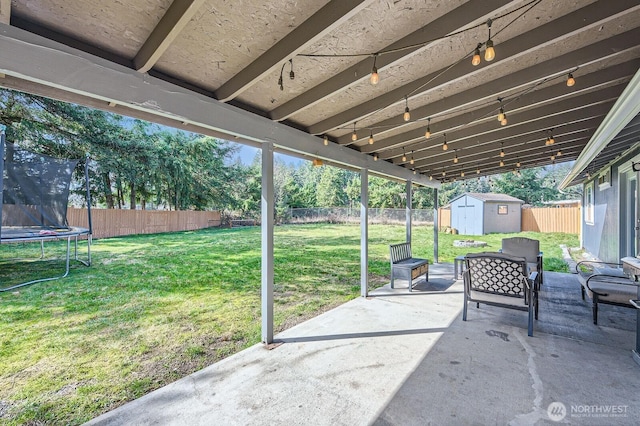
(536, 219)
(549, 219)
(113, 223)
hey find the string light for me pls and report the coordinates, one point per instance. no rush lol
(406, 116)
(455, 158)
(292, 75)
(371, 138)
(501, 151)
(550, 140)
(570, 80)
(518, 163)
(414, 171)
(476, 56)
(444, 173)
(559, 154)
(430, 177)
(503, 122)
(412, 160)
(427, 134)
(375, 157)
(354, 135)
(326, 140)
(404, 156)
(489, 53)
(375, 78)
(462, 173)
(501, 163)
(477, 170)
(444, 145)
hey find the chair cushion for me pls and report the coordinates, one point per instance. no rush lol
(615, 292)
(496, 298)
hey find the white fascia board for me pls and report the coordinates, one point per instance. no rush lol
(34, 58)
(623, 111)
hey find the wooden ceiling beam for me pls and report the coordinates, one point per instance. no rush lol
(332, 15)
(172, 23)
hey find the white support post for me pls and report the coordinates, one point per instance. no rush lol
(409, 207)
(267, 242)
(435, 225)
(364, 232)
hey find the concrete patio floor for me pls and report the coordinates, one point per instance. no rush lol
(400, 358)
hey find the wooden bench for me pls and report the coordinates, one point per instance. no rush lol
(404, 266)
(606, 283)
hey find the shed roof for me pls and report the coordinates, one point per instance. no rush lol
(489, 196)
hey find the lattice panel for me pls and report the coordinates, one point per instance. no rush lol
(495, 275)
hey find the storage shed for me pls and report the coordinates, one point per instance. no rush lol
(475, 213)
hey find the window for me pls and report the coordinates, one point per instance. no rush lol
(604, 180)
(503, 209)
(588, 203)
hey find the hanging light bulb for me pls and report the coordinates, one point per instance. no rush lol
(354, 135)
(326, 140)
(462, 174)
(501, 151)
(476, 56)
(292, 75)
(503, 122)
(427, 134)
(559, 153)
(501, 114)
(553, 157)
(444, 173)
(489, 53)
(455, 159)
(375, 157)
(501, 163)
(570, 80)
(518, 163)
(477, 170)
(404, 156)
(414, 171)
(444, 145)
(375, 78)
(371, 138)
(547, 141)
(406, 116)
(412, 160)
(430, 177)
(551, 140)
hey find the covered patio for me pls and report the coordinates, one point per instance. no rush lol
(409, 359)
(408, 90)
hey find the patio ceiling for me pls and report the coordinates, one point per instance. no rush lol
(234, 53)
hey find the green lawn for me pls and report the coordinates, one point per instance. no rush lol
(155, 308)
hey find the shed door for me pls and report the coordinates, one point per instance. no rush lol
(468, 220)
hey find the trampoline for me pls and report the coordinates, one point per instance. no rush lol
(34, 194)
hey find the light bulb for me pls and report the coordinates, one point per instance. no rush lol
(412, 161)
(445, 146)
(375, 78)
(501, 163)
(553, 157)
(551, 140)
(559, 154)
(326, 140)
(501, 114)
(489, 53)
(546, 142)
(404, 157)
(375, 157)
(406, 116)
(518, 163)
(502, 153)
(430, 177)
(476, 57)
(461, 174)
(354, 136)
(570, 80)
(414, 171)
(478, 171)
(444, 173)
(427, 134)
(371, 139)
(455, 159)
(503, 122)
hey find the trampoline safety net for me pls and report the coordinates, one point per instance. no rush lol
(35, 189)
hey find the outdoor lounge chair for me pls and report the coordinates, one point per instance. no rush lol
(605, 282)
(527, 248)
(500, 279)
